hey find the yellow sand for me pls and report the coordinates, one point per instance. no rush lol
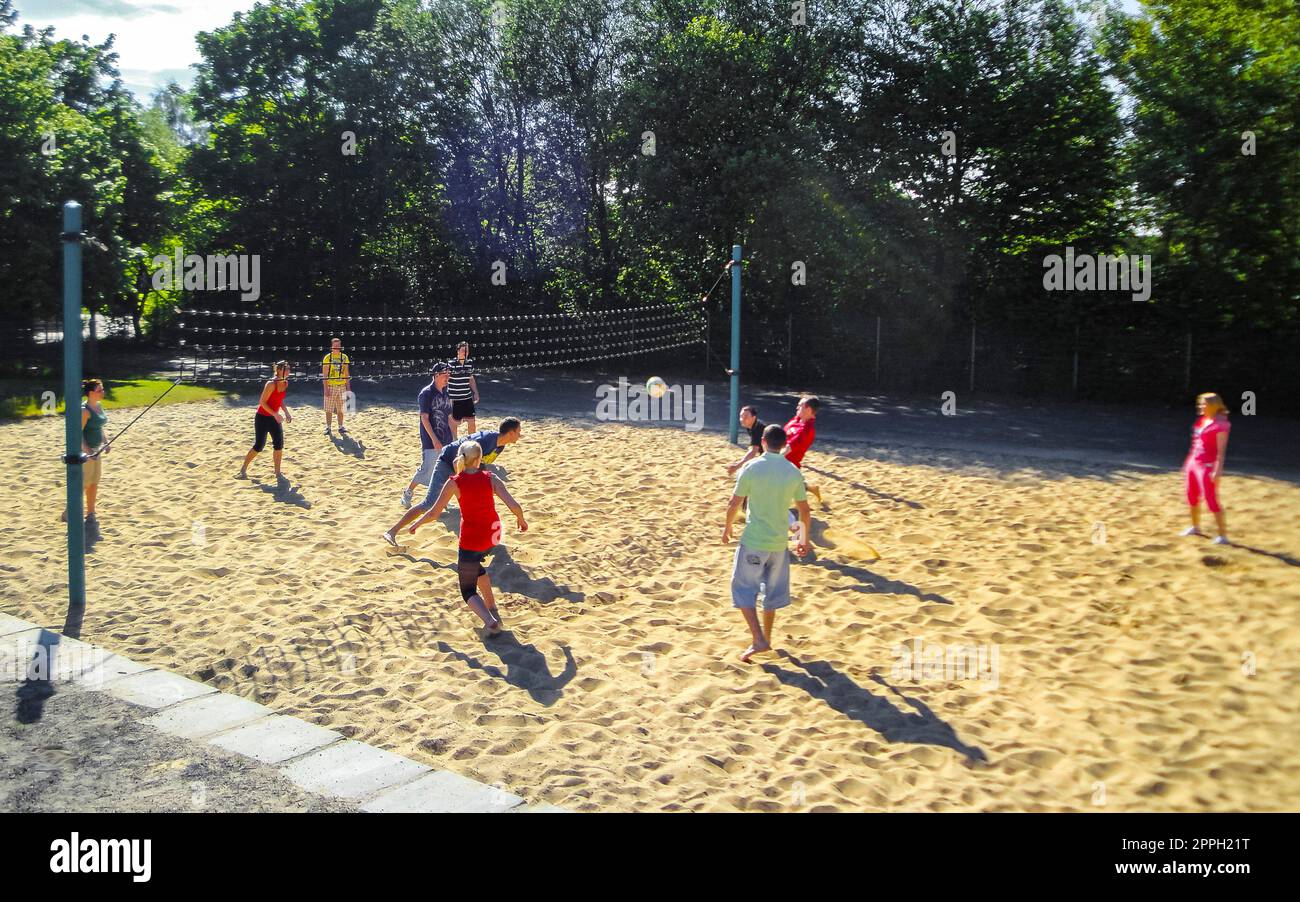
(1122, 666)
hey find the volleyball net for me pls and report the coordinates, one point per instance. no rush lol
(224, 346)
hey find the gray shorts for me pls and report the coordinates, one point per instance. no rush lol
(428, 461)
(441, 473)
(769, 570)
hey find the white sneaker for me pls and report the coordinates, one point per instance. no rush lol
(1220, 540)
(1191, 531)
(406, 498)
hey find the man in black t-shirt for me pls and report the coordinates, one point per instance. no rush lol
(754, 426)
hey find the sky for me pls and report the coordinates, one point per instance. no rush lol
(155, 38)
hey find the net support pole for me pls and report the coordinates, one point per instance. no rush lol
(71, 397)
(734, 427)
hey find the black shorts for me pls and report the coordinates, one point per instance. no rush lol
(264, 425)
(462, 409)
(469, 567)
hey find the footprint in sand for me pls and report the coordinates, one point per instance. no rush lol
(917, 538)
(850, 546)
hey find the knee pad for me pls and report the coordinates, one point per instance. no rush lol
(469, 572)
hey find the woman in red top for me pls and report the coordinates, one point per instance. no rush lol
(270, 410)
(1204, 464)
(480, 528)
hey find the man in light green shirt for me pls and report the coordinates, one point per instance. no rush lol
(772, 484)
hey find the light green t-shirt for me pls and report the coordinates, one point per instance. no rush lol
(772, 484)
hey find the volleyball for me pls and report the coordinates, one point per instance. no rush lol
(656, 387)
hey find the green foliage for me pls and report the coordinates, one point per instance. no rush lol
(917, 158)
(21, 398)
(1208, 78)
(68, 131)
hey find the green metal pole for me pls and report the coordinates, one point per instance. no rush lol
(72, 400)
(735, 343)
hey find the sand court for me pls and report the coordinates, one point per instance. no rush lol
(1035, 635)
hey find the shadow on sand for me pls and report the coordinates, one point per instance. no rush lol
(920, 726)
(37, 685)
(1276, 555)
(348, 445)
(509, 576)
(525, 667)
(870, 582)
(284, 492)
(874, 493)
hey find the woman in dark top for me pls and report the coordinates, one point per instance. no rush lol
(93, 421)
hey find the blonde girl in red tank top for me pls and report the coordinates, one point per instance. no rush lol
(480, 528)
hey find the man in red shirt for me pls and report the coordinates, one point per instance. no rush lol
(799, 435)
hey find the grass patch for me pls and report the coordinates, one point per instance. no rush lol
(21, 398)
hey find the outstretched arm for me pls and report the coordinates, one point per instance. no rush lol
(448, 492)
(749, 455)
(503, 493)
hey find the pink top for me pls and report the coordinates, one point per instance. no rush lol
(1205, 439)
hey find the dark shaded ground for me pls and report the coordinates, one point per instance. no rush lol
(1110, 436)
(88, 752)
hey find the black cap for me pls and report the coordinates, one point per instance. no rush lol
(441, 367)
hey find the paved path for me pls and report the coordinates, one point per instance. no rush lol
(89, 730)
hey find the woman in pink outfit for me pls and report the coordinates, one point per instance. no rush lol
(1204, 463)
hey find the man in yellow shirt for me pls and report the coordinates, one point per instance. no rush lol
(336, 372)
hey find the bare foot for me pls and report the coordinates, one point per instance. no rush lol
(391, 539)
(242, 474)
(756, 649)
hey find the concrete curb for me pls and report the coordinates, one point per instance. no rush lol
(317, 760)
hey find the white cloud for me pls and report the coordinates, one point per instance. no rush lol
(155, 38)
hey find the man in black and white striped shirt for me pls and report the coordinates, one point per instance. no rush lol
(463, 390)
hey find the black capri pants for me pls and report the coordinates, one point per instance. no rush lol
(264, 426)
(469, 566)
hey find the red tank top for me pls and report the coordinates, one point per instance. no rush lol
(480, 527)
(272, 405)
